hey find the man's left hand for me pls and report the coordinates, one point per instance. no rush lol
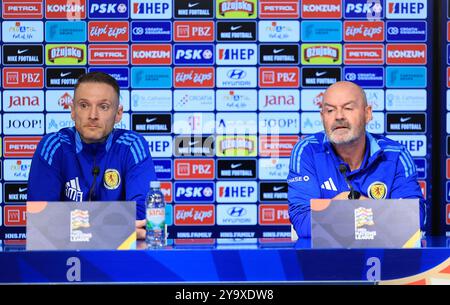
(140, 229)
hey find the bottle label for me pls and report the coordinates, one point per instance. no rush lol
(156, 219)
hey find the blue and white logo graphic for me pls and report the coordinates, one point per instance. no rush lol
(236, 214)
(63, 31)
(193, 100)
(57, 121)
(122, 75)
(163, 168)
(236, 54)
(311, 122)
(236, 123)
(363, 9)
(157, 100)
(406, 77)
(406, 31)
(236, 77)
(197, 192)
(270, 169)
(144, 31)
(151, 77)
(114, 9)
(278, 31)
(279, 123)
(144, 9)
(376, 125)
(416, 144)
(406, 99)
(236, 191)
(365, 77)
(406, 9)
(159, 146)
(236, 100)
(23, 123)
(421, 168)
(321, 31)
(193, 54)
(23, 31)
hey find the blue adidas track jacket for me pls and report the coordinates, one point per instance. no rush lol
(387, 171)
(62, 168)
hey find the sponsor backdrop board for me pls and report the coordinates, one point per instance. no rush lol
(221, 90)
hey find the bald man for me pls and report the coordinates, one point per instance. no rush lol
(377, 167)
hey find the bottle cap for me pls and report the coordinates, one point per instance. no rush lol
(155, 184)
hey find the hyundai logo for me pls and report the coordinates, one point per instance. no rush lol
(236, 212)
(236, 74)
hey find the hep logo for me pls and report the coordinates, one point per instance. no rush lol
(406, 8)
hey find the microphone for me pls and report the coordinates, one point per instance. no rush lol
(95, 172)
(353, 194)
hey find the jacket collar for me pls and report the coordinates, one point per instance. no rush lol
(93, 147)
(373, 151)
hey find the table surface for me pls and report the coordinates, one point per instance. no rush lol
(265, 261)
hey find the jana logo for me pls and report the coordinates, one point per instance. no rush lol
(237, 211)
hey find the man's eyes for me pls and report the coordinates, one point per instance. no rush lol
(104, 107)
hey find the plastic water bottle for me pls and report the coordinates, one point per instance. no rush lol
(156, 216)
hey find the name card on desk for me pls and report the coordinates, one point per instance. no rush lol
(67, 225)
(388, 223)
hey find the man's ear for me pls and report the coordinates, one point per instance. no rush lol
(368, 112)
(72, 110)
(119, 114)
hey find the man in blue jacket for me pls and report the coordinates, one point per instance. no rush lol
(93, 161)
(377, 167)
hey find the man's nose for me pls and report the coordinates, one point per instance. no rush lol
(339, 114)
(93, 113)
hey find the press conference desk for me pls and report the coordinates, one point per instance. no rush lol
(248, 263)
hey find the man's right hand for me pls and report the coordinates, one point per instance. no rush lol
(344, 195)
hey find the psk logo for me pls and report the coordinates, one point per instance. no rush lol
(377, 190)
(363, 217)
(111, 179)
(236, 211)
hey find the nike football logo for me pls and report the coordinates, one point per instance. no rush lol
(319, 74)
(192, 4)
(233, 166)
(234, 28)
(192, 143)
(22, 189)
(150, 120)
(403, 120)
(277, 188)
(21, 51)
(276, 51)
(65, 74)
